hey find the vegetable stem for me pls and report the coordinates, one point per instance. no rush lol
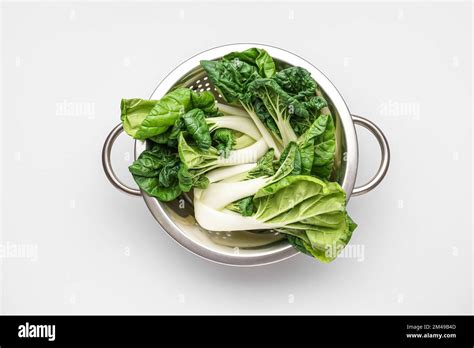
(264, 132)
(232, 110)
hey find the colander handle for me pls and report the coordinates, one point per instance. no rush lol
(106, 163)
(385, 160)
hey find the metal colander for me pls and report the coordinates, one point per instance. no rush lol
(248, 248)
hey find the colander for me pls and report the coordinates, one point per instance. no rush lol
(247, 248)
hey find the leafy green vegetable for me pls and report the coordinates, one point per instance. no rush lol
(150, 162)
(196, 125)
(243, 206)
(326, 252)
(306, 143)
(162, 138)
(156, 172)
(267, 119)
(296, 82)
(204, 101)
(324, 150)
(133, 113)
(260, 161)
(232, 79)
(284, 101)
(188, 180)
(279, 105)
(225, 141)
(219, 195)
(153, 188)
(293, 150)
(264, 166)
(305, 207)
(314, 208)
(243, 140)
(256, 57)
(143, 119)
(202, 161)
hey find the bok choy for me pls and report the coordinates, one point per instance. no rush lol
(262, 160)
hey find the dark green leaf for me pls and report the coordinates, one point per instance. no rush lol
(188, 179)
(257, 57)
(204, 101)
(264, 166)
(292, 150)
(197, 127)
(153, 188)
(324, 150)
(297, 82)
(230, 77)
(224, 139)
(265, 117)
(243, 206)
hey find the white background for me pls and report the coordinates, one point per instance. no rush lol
(407, 67)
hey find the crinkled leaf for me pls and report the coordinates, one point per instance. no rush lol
(264, 166)
(133, 113)
(293, 151)
(230, 77)
(324, 150)
(204, 101)
(162, 138)
(150, 162)
(155, 171)
(224, 140)
(188, 179)
(168, 176)
(309, 209)
(144, 119)
(165, 113)
(297, 82)
(257, 57)
(193, 157)
(306, 143)
(316, 103)
(196, 125)
(267, 119)
(153, 188)
(243, 206)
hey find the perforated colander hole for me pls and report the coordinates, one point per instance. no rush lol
(207, 84)
(205, 78)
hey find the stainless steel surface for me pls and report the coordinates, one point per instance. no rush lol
(385, 155)
(106, 163)
(243, 248)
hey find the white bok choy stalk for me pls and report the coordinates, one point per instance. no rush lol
(220, 194)
(227, 172)
(225, 220)
(202, 161)
(306, 207)
(232, 110)
(263, 130)
(241, 124)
